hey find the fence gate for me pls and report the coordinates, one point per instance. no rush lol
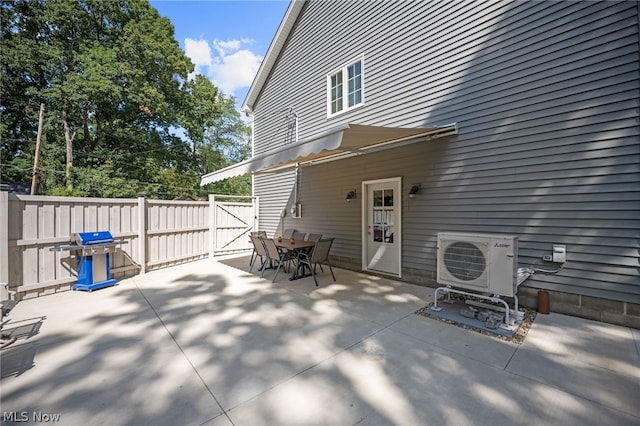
(233, 220)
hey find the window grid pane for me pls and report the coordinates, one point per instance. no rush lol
(383, 216)
(354, 80)
(345, 88)
(336, 92)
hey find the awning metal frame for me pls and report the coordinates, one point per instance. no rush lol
(341, 142)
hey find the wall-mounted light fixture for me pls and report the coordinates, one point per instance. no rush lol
(415, 189)
(351, 195)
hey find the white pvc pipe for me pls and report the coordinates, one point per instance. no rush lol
(493, 299)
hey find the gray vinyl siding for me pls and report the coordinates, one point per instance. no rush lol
(546, 97)
(276, 193)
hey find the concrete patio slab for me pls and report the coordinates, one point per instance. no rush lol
(594, 360)
(101, 358)
(393, 379)
(468, 343)
(209, 343)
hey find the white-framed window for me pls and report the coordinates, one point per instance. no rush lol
(345, 87)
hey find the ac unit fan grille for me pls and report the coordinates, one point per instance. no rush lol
(464, 261)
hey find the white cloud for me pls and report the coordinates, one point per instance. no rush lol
(225, 47)
(198, 51)
(228, 63)
(235, 71)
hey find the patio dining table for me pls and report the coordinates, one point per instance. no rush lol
(297, 247)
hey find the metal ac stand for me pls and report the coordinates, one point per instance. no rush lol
(494, 299)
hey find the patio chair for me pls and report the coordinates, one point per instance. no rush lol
(288, 233)
(260, 252)
(279, 257)
(319, 256)
(314, 237)
(6, 338)
(299, 235)
(256, 234)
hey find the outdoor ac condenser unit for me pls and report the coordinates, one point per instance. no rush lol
(479, 262)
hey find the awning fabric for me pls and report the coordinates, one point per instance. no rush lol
(343, 141)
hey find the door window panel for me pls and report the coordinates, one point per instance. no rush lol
(383, 214)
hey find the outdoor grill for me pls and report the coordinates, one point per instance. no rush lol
(92, 255)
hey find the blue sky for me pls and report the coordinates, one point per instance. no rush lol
(226, 40)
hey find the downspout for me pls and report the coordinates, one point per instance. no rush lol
(249, 113)
(253, 147)
(295, 186)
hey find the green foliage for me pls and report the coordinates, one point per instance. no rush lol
(114, 83)
(240, 185)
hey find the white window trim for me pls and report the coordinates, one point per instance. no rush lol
(345, 87)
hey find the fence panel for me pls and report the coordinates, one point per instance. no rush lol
(152, 234)
(38, 223)
(177, 231)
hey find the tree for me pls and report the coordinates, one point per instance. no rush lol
(218, 135)
(114, 81)
(227, 142)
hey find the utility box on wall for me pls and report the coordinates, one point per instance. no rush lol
(296, 211)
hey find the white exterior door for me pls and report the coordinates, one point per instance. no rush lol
(381, 241)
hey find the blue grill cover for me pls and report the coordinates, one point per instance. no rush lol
(89, 238)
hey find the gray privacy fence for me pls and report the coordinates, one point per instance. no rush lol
(153, 234)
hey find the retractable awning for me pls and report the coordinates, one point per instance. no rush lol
(341, 142)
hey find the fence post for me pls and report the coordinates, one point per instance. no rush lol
(4, 242)
(142, 233)
(212, 226)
